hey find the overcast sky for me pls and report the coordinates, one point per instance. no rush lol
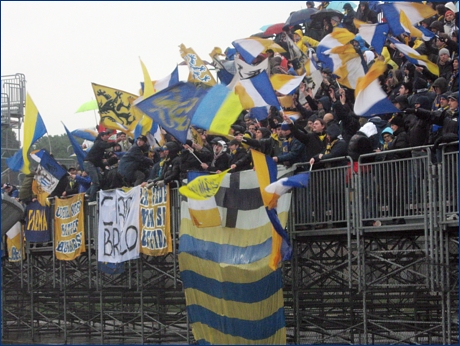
(62, 47)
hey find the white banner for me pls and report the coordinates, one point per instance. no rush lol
(119, 216)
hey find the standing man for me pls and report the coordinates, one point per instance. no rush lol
(95, 159)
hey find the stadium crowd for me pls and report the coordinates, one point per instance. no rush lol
(312, 127)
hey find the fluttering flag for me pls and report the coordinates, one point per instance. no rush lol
(165, 82)
(295, 53)
(314, 76)
(195, 136)
(199, 73)
(284, 83)
(204, 186)
(348, 65)
(415, 12)
(374, 34)
(256, 92)
(47, 174)
(337, 38)
(88, 134)
(115, 108)
(77, 149)
(218, 110)
(172, 108)
(245, 70)
(427, 34)
(224, 75)
(408, 27)
(250, 48)
(266, 171)
(414, 57)
(283, 185)
(34, 129)
(370, 99)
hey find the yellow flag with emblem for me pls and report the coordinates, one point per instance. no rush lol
(203, 187)
(116, 108)
(199, 73)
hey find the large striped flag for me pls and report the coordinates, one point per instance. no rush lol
(199, 73)
(250, 48)
(337, 38)
(348, 65)
(34, 129)
(284, 83)
(370, 99)
(415, 12)
(374, 34)
(232, 295)
(256, 92)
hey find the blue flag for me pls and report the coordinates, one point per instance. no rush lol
(173, 107)
(77, 149)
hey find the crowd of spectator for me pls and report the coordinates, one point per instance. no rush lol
(314, 127)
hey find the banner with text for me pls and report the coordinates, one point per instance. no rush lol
(69, 230)
(37, 226)
(156, 228)
(119, 224)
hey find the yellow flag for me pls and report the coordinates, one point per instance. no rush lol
(115, 108)
(196, 136)
(199, 73)
(203, 187)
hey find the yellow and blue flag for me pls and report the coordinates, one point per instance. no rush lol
(34, 129)
(370, 99)
(337, 38)
(414, 12)
(173, 107)
(414, 57)
(266, 171)
(250, 48)
(218, 110)
(256, 92)
(374, 34)
(87, 134)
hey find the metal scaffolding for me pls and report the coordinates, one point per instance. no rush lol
(349, 282)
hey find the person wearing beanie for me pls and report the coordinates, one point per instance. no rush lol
(240, 160)
(449, 23)
(440, 87)
(293, 151)
(420, 87)
(171, 167)
(313, 143)
(336, 147)
(444, 63)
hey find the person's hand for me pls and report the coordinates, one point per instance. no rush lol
(312, 161)
(204, 165)
(160, 183)
(197, 146)
(287, 119)
(275, 159)
(239, 137)
(233, 166)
